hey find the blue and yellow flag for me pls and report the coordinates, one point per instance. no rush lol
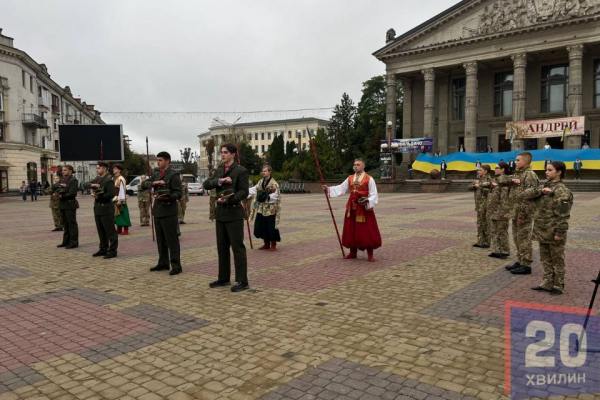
(565, 133)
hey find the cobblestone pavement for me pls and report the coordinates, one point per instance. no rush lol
(423, 322)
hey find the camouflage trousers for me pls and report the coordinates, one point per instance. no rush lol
(144, 212)
(212, 205)
(552, 257)
(522, 238)
(483, 228)
(499, 236)
(181, 206)
(56, 217)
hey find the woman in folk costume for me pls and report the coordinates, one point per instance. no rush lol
(120, 200)
(360, 225)
(266, 207)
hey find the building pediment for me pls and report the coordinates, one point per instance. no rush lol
(479, 19)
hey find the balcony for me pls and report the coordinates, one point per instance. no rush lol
(44, 102)
(35, 121)
(55, 109)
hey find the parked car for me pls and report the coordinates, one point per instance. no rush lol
(132, 187)
(195, 188)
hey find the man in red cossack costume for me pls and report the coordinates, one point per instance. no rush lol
(360, 225)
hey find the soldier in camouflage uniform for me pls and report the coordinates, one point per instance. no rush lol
(144, 200)
(522, 203)
(54, 206)
(182, 203)
(551, 225)
(498, 210)
(212, 203)
(482, 188)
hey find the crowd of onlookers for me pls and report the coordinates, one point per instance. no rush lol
(33, 189)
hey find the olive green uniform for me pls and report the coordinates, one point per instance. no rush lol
(481, 194)
(143, 196)
(498, 208)
(523, 206)
(104, 214)
(182, 203)
(54, 208)
(552, 219)
(68, 206)
(165, 218)
(230, 221)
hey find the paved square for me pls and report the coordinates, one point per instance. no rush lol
(423, 322)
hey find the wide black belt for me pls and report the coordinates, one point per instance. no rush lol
(227, 205)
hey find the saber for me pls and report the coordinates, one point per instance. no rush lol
(150, 190)
(314, 152)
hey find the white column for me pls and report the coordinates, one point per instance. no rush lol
(471, 103)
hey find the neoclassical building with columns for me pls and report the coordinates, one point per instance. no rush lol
(480, 64)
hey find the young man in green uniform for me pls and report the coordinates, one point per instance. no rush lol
(231, 185)
(103, 191)
(166, 187)
(66, 191)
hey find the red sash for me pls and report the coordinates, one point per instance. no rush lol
(357, 190)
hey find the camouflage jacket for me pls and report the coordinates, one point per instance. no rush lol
(481, 193)
(553, 212)
(53, 199)
(185, 193)
(497, 201)
(522, 197)
(143, 195)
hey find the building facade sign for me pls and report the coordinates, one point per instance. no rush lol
(414, 145)
(545, 128)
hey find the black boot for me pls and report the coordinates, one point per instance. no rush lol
(521, 271)
(510, 267)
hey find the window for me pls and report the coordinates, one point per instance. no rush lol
(459, 89)
(596, 84)
(1, 132)
(263, 148)
(503, 94)
(555, 88)
(312, 132)
(289, 134)
(23, 79)
(56, 145)
(255, 135)
(31, 83)
(256, 148)
(1, 101)
(481, 143)
(262, 136)
(304, 133)
(55, 124)
(269, 137)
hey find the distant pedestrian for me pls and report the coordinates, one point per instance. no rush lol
(585, 146)
(438, 153)
(577, 167)
(462, 148)
(33, 188)
(511, 165)
(478, 168)
(547, 146)
(410, 164)
(548, 161)
(443, 167)
(39, 189)
(489, 149)
(23, 190)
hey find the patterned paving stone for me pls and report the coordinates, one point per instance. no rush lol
(13, 273)
(338, 379)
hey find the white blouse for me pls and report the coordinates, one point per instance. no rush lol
(335, 191)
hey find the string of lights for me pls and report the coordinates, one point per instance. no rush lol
(211, 114)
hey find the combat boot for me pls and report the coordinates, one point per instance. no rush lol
(510, 267)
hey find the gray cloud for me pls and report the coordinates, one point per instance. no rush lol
(125, 55)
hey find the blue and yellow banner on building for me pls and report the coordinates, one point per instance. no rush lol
(590, 159)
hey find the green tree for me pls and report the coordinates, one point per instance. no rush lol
(134, 163)
(289, 151)
(209, 146)
(276, 154)
(329, 159)
(249, 159)
(190, 161)
(370, 128)
(341, 123)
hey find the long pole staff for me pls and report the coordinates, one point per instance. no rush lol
(314, 152)
(150, 190)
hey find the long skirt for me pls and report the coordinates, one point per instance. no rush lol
(122, 219)
(264, 228)
(361, 235)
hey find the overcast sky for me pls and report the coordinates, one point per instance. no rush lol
(244, 55)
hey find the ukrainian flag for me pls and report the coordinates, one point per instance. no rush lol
(467, 161)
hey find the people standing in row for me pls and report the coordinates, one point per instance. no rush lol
(103, 191)
(182, 203)
(120, 201)
(231, 188)
(481, 187)
(54, 205)
(33, 190)
(498, 211)
(438, 153)
(443, 168)
(144, 200)
(551, 226)
(166, 187)
(524, 180)
(360, 225)
(66, 191)
(266, 208)
(577, 164)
